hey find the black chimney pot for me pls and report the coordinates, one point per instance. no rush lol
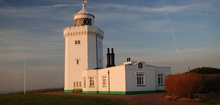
(108, 58)
(112, 58)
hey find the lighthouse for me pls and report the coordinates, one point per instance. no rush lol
(83, 48)
(84, 63)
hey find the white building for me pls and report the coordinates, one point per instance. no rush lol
(84, 64)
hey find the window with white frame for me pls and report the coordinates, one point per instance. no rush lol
(140, 79)
(77, 84)
(84, 82)
(104, 81)
(91, 82)
(160, 79)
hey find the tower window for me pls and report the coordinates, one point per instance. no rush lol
(77, 42)
(77, 61)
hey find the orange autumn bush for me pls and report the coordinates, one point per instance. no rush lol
(183, 85)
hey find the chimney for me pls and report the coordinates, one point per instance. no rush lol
(108, 58)
(128, 59)
(112, 58)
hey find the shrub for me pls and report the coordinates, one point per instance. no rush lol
(210, 82)
(188, 84)
(205, 70)
(183, 85)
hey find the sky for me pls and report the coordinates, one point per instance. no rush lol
(180, 34)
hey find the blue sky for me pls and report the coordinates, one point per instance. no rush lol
(32, 30)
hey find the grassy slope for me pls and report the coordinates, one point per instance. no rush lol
(34, 98)
(43, 99)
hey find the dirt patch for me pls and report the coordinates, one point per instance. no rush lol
(138, 99)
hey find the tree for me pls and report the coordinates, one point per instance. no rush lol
(205, 70)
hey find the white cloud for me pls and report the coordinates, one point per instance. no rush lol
(133, 8)
(34, 9)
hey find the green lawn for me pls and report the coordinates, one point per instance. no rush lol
(44, 99)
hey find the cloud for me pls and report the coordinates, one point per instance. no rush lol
(133, 8)
(23, 9)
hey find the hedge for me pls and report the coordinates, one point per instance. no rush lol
(187, 84)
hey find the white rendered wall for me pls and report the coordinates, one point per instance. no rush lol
(131, 78)
(115, 79)
(90, 73)
(95, 53)
(74, 52)
(123, 78)
(161, 70)
(100, 52)
(85, 52)
(67, 74)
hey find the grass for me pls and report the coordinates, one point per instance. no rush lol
(35, 98)
(43, 99)
(38, 97)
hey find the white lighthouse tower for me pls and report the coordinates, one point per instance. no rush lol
(83, 48)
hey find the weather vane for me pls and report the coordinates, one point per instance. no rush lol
(84, 3)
